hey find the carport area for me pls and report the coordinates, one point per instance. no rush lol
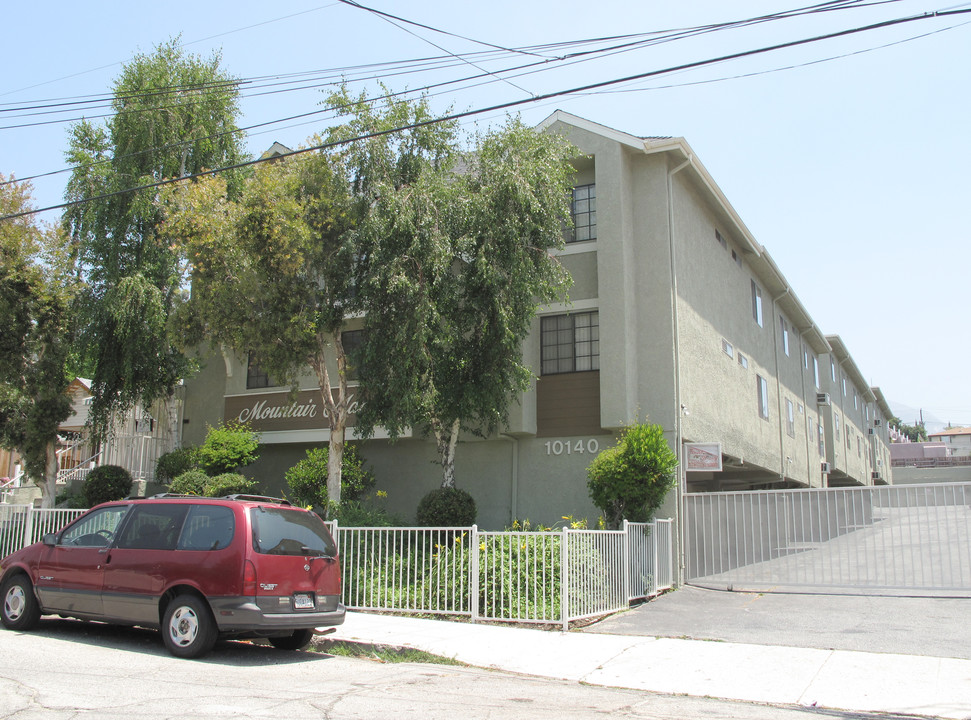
(926, 626)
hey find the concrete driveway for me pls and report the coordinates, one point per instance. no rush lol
(935, 627)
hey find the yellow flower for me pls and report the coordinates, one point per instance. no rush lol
(481, 546)
(382, 494)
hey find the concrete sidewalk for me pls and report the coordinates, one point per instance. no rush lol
(838, 679)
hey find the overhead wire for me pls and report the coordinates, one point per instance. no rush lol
(659, 36)
(509, 104)
(648, 38)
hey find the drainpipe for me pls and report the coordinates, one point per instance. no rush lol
(682, 478)
(778, 383)
(514, 481)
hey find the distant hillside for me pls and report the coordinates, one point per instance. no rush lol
(911, 416)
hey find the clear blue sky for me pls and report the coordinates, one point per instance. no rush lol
(852, 172)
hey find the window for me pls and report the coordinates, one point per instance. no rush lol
(256, 377)
(352, 341)
(727, 348)
(570, 343)
(208, 527)
(763, 396)
(856, 400)
(757, 303)
(836, 425)
(832, 369)
(809, 428)
(805, 357)
(816, 371)
(843, 383)
(822, 441)
(583, 212)
(96, 529)
(153, 527)
(790, 419)
(785, 335)
(720, 240)
(743, 361)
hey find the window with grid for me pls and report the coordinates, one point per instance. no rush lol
(583, 212)
(256, 377)
(352, 340)
(570, 343)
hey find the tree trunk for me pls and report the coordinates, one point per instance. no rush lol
(447, 440)
(335, 458)
(336, 410)
(48, 483)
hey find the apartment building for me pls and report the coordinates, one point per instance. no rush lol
(676, 314)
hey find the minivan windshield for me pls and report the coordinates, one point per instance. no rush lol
(279, 531)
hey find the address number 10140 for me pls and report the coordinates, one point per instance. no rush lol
(572, 447)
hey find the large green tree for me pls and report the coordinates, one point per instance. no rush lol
(36, 293)
(454, 245)
(272, 275)
(174, 114)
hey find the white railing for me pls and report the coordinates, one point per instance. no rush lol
(23, 525)
(911, 537)
(531, 577)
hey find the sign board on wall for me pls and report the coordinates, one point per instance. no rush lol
(278, 411)
(703, 457)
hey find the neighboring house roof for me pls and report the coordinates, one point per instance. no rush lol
(276, 150)
(951, 432)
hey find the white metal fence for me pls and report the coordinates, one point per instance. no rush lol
(913, 538)
(22, 525)
(533, 577)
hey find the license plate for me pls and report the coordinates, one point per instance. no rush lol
(303, 601)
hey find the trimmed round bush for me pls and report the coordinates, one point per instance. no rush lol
(229, 484)
(307, 479)
(446, 507)
(192, 482)
(106, 483)
(172, 464)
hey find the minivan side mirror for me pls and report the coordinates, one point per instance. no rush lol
(50, 539)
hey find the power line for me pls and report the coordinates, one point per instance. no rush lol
(653, 37)
(510, 104)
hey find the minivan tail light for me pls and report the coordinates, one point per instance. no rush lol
(249, 578)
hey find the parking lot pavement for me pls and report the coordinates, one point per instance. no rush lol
(931, 627)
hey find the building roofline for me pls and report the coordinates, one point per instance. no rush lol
(762, 263)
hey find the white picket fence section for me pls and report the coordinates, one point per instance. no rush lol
(528, 577)
(914, 538)
(552, 578)
(23, 525)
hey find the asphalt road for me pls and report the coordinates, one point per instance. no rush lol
(902, 625)
(67, 670)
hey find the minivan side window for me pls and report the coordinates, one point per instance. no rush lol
(153, 527)
(95, 529)
(290, 532)
(208, 527)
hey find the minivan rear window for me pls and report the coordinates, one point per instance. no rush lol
(277, 531)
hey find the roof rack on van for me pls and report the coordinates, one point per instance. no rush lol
(168, 495)
(257, 498)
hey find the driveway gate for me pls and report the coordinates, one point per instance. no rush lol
(914, 538)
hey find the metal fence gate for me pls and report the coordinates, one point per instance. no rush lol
(914, 538)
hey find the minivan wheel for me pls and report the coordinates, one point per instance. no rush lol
(20, 609)
(188, 628)
(297, 640)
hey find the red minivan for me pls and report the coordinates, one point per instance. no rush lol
(240, 566)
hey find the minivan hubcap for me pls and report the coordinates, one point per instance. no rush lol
(13, 604)
(184, 626)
